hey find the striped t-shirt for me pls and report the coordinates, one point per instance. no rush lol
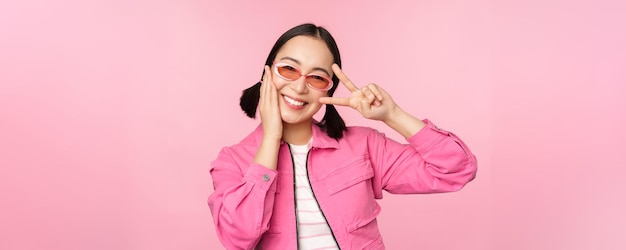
(313, 229)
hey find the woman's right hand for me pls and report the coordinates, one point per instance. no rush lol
(268, 108)
(272, 123)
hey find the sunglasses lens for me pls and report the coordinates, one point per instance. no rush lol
(318, 82)
(288, 72)
(291, 73)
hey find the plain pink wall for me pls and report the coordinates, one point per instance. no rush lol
(111, 111)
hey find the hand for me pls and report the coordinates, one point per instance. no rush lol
(371, 101)
(268, 108)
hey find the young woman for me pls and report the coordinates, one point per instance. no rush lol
(298, 183)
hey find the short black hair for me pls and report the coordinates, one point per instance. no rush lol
(331, 123)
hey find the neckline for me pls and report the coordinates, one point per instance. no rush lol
(303, 147)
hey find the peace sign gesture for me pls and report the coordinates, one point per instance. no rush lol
(371, 101)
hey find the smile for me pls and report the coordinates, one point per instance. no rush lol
(292, 101)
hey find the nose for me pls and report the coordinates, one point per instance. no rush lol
(300, 85)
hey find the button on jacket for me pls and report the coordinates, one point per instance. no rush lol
(253, 206)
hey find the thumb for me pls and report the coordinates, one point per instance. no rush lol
(366, 108)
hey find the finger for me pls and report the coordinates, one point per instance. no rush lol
(267, 78)
(341, 101)
(343, 78)
(264, 81)
(366, 108)
(371, 98)
(266, 88)
(368, 94)
(273, 92)
(263, 89)
(376, 90)
(268, 74)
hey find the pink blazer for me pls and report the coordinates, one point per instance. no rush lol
(253, 206)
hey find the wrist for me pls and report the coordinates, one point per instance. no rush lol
(403, 122)
(267, 154)
(393, 115)
(270, 141)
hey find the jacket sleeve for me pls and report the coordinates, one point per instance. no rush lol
(242, 203)
(434, 161)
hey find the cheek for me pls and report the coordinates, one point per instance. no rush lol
(317, 105)
(320, 95)
(279, 83)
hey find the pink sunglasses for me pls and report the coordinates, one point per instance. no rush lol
(291, 73)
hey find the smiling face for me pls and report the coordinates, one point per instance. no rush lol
(298, 102)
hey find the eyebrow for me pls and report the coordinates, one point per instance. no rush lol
(298, 62)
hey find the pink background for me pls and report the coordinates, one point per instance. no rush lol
(111, 111)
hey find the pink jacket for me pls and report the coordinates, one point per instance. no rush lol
(253, 206)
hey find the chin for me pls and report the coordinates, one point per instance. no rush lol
(294, 120)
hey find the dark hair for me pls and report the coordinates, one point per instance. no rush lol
(331, 122)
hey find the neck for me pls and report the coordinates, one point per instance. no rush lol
(297, 134)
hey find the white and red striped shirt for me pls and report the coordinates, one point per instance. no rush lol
(313, 229)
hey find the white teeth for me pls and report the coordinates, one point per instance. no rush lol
(293, 102)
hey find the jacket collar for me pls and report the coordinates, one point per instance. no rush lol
(320, 138)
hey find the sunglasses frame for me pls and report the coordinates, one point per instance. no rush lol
(280, 64)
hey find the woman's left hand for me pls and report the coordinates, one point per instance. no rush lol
(371, 101)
